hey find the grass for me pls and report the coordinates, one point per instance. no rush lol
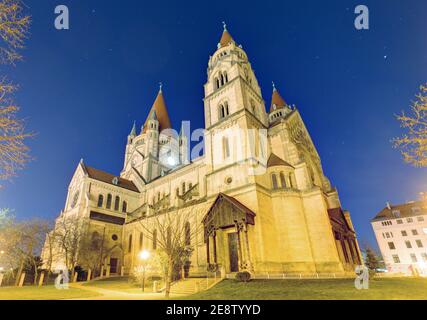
(43, 293)
(334, 289)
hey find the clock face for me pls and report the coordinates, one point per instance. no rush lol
(75, 199)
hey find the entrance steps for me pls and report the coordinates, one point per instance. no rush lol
(193, 285)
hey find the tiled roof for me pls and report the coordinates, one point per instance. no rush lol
(277, 100)
(108, 178)
(160, 110)
(274, 161)
(225, 39)
(409, 209)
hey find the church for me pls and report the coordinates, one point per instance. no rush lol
(258, 191)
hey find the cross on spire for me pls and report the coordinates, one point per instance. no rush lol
(160, 86)
(274, 85)
(224, 25)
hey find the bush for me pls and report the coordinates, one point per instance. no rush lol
(243, 276)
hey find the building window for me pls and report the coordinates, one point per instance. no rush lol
(130, 244)
(187, 234)
(282, 180)
(396, 258)
(141, 240)
(420, 219)
(114, 237)
(408, 244)
(117, 203)
(274, 181)
(100, 201)
(414, 258)
(391, 245)
(400, 221)
(154, 239)
(414, 232)
(409, 220)
(404, 233)
(225, 147)
(124, 207)
(419, 243)
(109, 200)
(387, 235)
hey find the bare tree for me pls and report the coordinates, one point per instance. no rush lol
(14, 26)
(69, 231)
(173, 236)
(413, 144)
(93, 250)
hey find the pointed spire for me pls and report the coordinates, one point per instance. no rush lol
(277, 102)
(161, 112)
(226, 37)
(133, 131)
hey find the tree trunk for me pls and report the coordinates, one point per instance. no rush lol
(18, 275)
(168, 278)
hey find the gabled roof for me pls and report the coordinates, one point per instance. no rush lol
(277, 100)
(405, 210)
(274, 161)
(159, 110)
(108, 178)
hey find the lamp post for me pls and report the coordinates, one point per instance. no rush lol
(144, 256)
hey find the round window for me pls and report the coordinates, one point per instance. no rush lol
(114, 237)
(228, 180)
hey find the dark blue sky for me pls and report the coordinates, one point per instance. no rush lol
(81, 89)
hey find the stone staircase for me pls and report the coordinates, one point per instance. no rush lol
(193, 285)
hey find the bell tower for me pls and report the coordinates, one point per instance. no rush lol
(234, 111)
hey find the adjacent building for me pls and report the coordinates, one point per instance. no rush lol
(401, 232)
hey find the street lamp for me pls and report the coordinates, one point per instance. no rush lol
(144, 255)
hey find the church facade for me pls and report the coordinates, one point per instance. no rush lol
(258, 192)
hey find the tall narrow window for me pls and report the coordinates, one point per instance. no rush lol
(141, 240)
(221, 111)
(109, 200)
(227, 109)
(187, 234)
(130, 244)
(154, 239)
(100, 201)
(117, 203)
(225, 148)
(282, 180)
(274, 181)
(222, 79)
(124, 207)
(225, 77)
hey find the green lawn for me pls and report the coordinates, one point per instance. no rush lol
(43, 293)
(334, 289)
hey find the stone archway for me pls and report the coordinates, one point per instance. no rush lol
(229, 219)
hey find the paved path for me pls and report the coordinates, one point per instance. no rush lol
(106, 294)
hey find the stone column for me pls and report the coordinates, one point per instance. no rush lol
(239, 244)
(248, 256)
(208, 255)
(214, 247)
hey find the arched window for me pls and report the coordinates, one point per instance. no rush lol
(100, 201)
(95, 243)
(274, 181)
(154, 239)
(282, 180)
(225, 148)
(130, 244)
(124, 207)
(225, 77)
(117, 203)
(187, 234)
(221, 111)
(222, 79)
(227, 110)
(217, 83)
(109, 200)
(141, 239)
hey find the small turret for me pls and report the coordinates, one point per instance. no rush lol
(183, 146)
(132, 133)
(279, 108)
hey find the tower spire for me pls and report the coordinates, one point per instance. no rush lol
(226, 37)
(277, 102)
(133, 131)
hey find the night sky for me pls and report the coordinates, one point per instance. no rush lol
(81, 89)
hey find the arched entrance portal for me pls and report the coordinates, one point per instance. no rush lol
(226, 228)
